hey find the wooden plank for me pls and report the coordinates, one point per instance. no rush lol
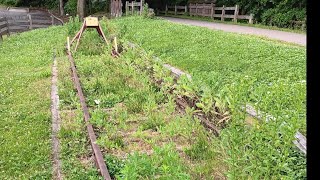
(2, 19)
(18, 27)
(36, 21)
(18, 21)
(134, 4)
(218, 8)
(16, 17)
(39, 26)
(174, 71)
(170, 12)
(41, 18)
(217, 15)
(300, 141)
(3, 31)
(3, 26)
(244, 17)
(230, 8)
(181, 7)
(228, 16)
(8, 14)
(204, 7)
(18, 9)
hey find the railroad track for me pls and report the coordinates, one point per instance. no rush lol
(300, 139)
(99, 161)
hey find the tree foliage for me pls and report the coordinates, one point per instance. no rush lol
(271, 12)
(279, 13)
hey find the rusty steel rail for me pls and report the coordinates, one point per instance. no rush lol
(101, 165)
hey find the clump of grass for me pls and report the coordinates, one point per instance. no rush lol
(223, 62)
(200, 149)
(115, 165)
(154, 121)
(165, 163)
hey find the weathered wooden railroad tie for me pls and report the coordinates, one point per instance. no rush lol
(300, 139)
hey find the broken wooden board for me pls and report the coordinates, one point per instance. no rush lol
(301, 140)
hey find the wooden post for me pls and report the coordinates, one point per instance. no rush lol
(175, 9)
(30, 21)
(141, 7)
(212, 11)
(303, 26)
(111, 8)
(166, 11)
(203, 9)
(52, 20)
(68, 43)
(127, 8)
(196, 8)
(132, 7)
(115, 44)
(185, 9)
(251, 19)
(223, 13)
(79, 35)
(236, 12)
(7, 23)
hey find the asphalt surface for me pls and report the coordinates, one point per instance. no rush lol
(290, 37)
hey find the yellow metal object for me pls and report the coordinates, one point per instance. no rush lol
(92, 21)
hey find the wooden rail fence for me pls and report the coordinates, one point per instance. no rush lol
(116, 8)
(209, 10)
(4, 27)
(133, 7)
(20, 21)
(175, 9)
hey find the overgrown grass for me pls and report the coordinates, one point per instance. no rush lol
(137, 126)
(76, 155)
(239, 69)
(25, 84)
(135, 121)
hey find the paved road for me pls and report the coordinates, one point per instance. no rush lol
(272, 34)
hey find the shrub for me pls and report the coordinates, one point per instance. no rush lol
(71, 7)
